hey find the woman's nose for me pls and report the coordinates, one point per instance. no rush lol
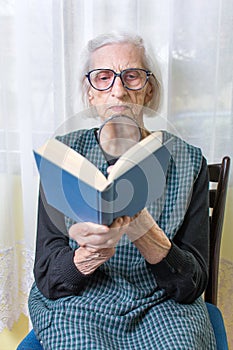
(118, 89)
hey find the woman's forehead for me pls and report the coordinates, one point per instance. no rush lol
(117, 56)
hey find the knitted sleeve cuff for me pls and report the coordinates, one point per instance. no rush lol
(176, 262)
(71, 276)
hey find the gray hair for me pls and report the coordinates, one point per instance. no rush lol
(115, 38)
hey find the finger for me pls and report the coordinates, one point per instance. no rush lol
(117, 222)
(86, 228)
(121, 222)
(109, 169)
(100, 240)
(127, 220)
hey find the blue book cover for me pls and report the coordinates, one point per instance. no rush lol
(75, 187)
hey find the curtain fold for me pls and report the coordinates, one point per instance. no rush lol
(40, 43)
(31, 107)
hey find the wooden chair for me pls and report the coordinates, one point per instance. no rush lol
(219, 174)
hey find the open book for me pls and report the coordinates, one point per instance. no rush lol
(74, 186)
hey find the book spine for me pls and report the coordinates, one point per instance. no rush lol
(106, 206)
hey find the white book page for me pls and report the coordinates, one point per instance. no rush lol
(73, 162)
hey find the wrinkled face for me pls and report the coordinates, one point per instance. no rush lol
(117, 99)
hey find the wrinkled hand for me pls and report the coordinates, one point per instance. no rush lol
(140, 224)
(96, 243)
(148, 237)
(88, 261)
(94, 236)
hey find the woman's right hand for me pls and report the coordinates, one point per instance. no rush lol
(94, 236)
(96, 242)
(88, 261)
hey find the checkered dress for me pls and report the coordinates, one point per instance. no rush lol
(122, 307)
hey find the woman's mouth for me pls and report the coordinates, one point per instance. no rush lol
(119, 108)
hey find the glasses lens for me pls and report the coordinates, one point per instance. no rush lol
(101, 79)
(134, 79)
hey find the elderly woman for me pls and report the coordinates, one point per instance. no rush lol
(94, 291)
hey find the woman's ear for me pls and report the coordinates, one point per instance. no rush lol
(90, 96)
(149, 92)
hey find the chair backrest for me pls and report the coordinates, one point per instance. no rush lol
(218, 174)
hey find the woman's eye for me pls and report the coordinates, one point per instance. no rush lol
(131, 76)
(104, 76)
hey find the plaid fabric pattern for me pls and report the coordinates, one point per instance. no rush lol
(122, 307)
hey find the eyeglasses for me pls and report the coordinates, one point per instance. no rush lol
(131, 78)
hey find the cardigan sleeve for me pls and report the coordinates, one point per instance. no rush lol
(183, 274)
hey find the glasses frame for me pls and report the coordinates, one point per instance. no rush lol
(148, 74)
